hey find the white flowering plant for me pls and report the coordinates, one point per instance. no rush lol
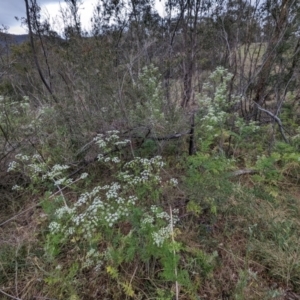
(152, 109)
(214, 109)
(219, 126)
(214, 98)
(108, 143)
(108, 225)
(40, 172)
(132, 199)
(23, 120)
(112, 223)
(150, 221)
(10, 107)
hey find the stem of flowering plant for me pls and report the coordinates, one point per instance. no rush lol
(133, 275)
(175, 271)
(131, 148)
(61, 189)
(62, 194)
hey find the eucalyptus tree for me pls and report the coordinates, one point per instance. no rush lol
(183, 18)
(281, 58)
(261, 50)
(71, 18)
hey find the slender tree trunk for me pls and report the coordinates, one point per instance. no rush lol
(270, 55)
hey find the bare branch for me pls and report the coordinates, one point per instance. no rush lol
(10, 296)
(277, 120)
(242, 172)
(35, 54)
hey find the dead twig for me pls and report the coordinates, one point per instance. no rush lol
(277, 120)
(242, 172)
(10, 296)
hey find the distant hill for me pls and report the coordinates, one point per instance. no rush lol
(6, 38)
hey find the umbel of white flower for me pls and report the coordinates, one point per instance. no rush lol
(159, 235)
(103, 207)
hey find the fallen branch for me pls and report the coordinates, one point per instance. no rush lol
(169, 137)
(10, 296)
(242, 172)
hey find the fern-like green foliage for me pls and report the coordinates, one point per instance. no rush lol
(113, 224)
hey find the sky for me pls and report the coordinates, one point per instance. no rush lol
(9, 9)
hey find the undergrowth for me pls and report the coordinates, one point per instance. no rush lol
(145, 226)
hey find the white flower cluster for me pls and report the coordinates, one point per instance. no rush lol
(116, 160)
(55, 172)
(93, 258)
(62, 211)
(10, 107)
(22, 157)
(93, 209)
(54, 227)
(36, 168)
(106, 143)
(84, 175)
(152, 110)
(24, 105)
(173, 181)
(111, 137)
(100, 142)
(142, 170)
(113, 191)
(12, 166)
(159, 235)
(31, 166)
(148, 220)
(36, 157)
(217, 105)
(98, 266)
(63, 181)
(17, 188)
(122, 143)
